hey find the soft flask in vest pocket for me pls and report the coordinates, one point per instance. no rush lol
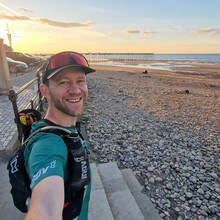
(79, 167)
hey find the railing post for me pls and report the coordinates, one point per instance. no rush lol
(39, 93)
(13, 98)
(32, 104)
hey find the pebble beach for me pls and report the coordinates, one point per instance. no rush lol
(165, 126)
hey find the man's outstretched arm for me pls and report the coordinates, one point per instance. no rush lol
(47, 200)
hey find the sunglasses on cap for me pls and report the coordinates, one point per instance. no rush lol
(66, 59)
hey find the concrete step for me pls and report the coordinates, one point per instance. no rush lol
(117, 194)
(147, 208)
(122, 203)
(99, 208)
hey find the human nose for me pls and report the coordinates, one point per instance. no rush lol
(73, 88)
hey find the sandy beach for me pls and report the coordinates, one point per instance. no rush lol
(165, 126)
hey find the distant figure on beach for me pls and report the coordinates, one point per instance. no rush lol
(46, 155)
(145, 72)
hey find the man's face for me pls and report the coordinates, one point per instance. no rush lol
(67, 92)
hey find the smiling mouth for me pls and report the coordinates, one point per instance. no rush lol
(74, 100)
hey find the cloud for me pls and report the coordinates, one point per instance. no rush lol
(127, 31)
(131, 31)
(209, 31)
(14, 18)
(25, 10)
(149, 32)
(62, 24)
(46, 21)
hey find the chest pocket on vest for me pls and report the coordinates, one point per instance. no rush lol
(79, 175)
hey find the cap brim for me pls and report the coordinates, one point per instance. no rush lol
(86, 70)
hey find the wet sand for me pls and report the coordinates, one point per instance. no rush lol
(184, 68)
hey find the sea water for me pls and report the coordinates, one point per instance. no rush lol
(160, 61)
(193, 57)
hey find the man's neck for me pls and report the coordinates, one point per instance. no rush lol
(67, 122)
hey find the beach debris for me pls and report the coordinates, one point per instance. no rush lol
(145, 72)
(177, 92)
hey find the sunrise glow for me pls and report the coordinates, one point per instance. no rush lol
(142, 26)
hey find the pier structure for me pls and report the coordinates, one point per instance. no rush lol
(103, 57)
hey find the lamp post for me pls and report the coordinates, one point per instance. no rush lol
(5, 83)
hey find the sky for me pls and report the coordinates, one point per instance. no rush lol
(114, 26)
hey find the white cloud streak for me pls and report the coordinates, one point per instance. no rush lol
(9, 9)
(208, 31)
(45, 21)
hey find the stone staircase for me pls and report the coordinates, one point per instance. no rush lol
(117, 195)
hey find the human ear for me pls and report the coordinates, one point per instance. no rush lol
(44, 90)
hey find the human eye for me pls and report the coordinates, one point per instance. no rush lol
(81, 80)
(64, 83)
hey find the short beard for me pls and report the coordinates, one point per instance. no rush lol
(64, 109)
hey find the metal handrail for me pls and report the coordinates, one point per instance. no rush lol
(12, 95)
(27, 85)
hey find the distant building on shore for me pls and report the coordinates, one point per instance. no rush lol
(8, 48)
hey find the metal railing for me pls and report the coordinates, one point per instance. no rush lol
(36, 101)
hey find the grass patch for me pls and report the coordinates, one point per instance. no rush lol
(84, 119)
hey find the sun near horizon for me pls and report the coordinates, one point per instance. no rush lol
(149, 27)
(46, 45)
